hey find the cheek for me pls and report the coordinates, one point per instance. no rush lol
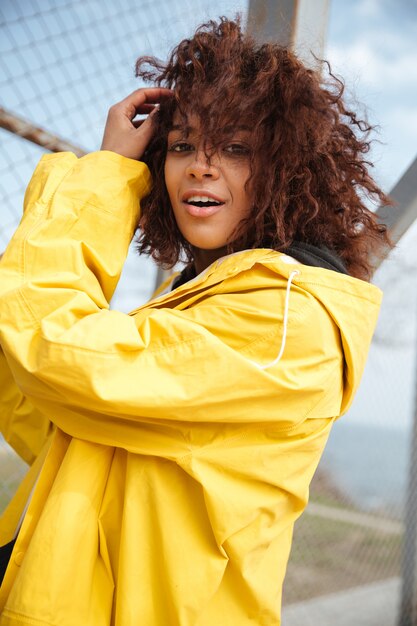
(243, 196)
(237, 177)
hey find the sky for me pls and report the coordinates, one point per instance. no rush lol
(373, 45)
(63, 63)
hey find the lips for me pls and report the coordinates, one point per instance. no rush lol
(201, 203)
(201, 192)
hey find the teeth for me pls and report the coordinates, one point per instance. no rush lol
(202, 199)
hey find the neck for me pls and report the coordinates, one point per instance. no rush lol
(204, 258)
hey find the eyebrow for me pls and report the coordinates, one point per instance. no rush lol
(179, 127)
(189, 129)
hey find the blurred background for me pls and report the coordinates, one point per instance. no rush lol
(63, 63)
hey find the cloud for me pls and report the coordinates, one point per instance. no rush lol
(368, 8)
(380, 71)
(361, 60)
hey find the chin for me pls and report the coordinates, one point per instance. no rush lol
(208, 244)
(206, 247)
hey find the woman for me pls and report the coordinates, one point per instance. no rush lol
(173, 448)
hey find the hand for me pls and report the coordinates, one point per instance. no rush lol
(124, 135)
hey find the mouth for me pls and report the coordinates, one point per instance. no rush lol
(202, 205)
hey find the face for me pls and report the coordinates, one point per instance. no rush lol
(208, 196)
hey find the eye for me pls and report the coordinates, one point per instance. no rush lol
(180, 146)
(237, 149)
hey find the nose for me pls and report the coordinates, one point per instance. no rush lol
(200, 167)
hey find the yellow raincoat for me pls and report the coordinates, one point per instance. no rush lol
(183, 446)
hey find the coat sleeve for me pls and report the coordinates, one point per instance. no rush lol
(98, 373)
(22, 425)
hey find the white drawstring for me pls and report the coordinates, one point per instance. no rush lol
(285, 323)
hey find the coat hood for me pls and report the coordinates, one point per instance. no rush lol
(353, 304)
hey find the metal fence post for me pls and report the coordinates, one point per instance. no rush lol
(408, 606)
(299, 24)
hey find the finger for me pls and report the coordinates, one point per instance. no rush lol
(146, 127)
(149, 109)
(145, 108)
(151, 95)
(141, 101)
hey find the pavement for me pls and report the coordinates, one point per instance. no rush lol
(370, 605)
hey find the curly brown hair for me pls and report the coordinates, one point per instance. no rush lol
(309, 176)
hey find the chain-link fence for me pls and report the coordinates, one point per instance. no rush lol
(63, 63)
